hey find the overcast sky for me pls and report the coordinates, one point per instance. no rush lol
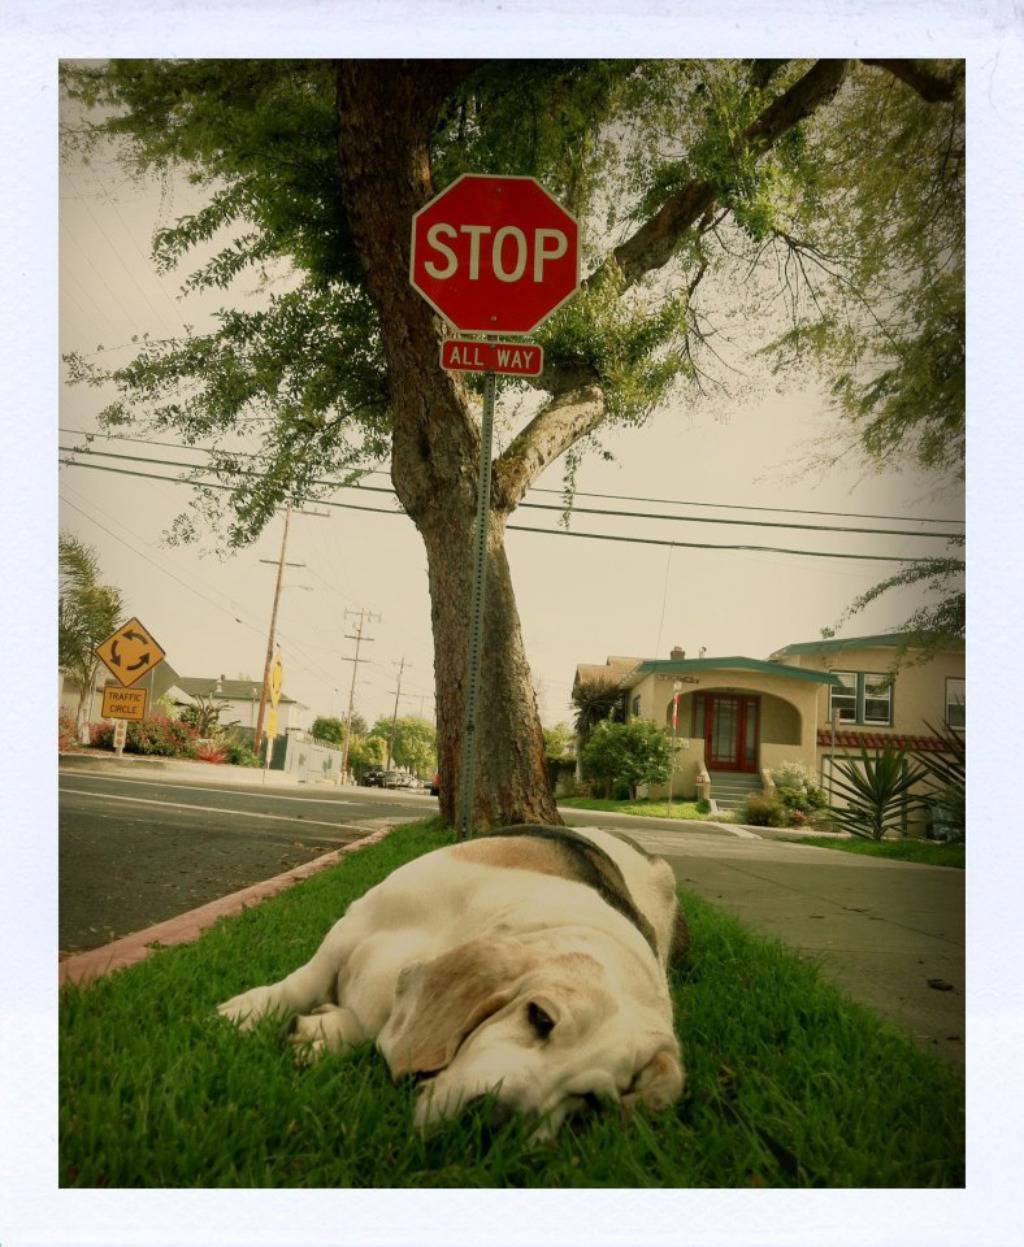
(579, 600)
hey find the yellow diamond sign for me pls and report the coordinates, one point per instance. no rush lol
(130, 652)
(271, 728)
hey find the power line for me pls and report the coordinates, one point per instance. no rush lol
(310, 665)
(542, 506)
(643, 541)
(671, 502)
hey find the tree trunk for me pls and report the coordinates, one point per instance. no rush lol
(386, 114)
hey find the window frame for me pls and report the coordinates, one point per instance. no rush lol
(845, 692)
(862, 704)
(859, 693)
(962, 681)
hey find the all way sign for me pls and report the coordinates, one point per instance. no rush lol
(513, 359)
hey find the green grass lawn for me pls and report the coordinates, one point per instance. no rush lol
(927, 852)
(788, 1084)
(652, 809)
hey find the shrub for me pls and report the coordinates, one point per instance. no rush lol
(766, 811)
(212, 752)
(67, 731)
(625, 755)
(703, 806)
(797, 787)
(156, 735)
(239, 755)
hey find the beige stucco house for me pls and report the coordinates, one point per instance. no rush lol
(734, 719)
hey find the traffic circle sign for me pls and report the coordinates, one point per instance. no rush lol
(123, 703)
(495, 254)
(129, 653)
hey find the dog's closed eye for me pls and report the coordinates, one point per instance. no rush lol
(542, 1022)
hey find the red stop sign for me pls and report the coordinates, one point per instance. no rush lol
(494, 254)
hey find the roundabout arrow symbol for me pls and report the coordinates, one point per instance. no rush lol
(132, 635)
(141, 663)
(115, 657)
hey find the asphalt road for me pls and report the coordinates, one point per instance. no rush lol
(138, 851)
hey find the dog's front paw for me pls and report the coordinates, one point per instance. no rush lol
(245, 1010)
(328, 1028)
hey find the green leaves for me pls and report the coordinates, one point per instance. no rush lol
(637, 752)
(87, 611)
(946, 778)
(876, 792)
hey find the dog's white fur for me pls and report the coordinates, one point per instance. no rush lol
(448, 961)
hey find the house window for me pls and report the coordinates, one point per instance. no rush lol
(956, 703)
(877, 700)
(843, 699)
(636, 707)
(865, 698)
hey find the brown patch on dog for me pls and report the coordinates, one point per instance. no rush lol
(438, 1003)
(516, 853)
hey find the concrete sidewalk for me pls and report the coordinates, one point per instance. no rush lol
(879, 929)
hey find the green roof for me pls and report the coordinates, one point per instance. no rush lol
(683, 666)
(900, 640)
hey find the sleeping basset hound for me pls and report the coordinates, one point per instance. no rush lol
(530, 964)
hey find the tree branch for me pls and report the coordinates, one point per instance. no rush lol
(556, 427)
(654, 243)
(930, 86)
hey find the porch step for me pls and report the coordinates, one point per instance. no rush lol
(730, 789)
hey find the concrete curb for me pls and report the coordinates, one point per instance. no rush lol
(200, 772)
(131, 949)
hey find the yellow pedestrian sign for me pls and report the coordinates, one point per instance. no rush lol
(129, 653)
(276, 679)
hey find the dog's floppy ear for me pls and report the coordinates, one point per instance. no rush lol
(659, 1083)
(438, 1003)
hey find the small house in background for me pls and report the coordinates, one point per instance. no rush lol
(242, 702)
(737, 718)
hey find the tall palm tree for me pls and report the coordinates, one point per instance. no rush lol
(594, 700)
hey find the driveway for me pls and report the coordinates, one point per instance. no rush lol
(880, 930)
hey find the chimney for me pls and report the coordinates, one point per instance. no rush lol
(677, 654)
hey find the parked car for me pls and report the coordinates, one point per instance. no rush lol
(435, 785)
(373, 779)
(395, 779)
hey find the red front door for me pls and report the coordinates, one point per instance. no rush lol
(729, 724)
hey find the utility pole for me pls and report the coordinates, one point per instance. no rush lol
(281, 565)
(270, 638)
(394, 717)
(358, 637)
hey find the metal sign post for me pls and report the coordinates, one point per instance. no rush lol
(493, 255)
(476, 611)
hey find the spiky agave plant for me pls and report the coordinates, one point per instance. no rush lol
(877, 791)
(946, 777)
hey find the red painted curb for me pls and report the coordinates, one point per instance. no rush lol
(130, 949)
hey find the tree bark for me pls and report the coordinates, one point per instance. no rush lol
(386, 114)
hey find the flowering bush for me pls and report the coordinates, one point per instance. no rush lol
(67, 731)
(157, 735)
(797, 788)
